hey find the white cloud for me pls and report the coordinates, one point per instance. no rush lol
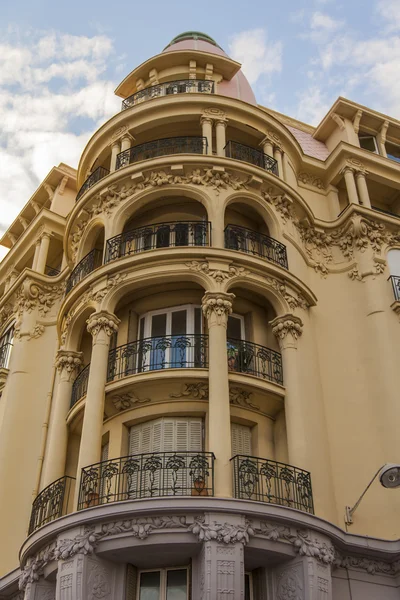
(324, 22)
(46, 81)
(258, 55)
(312, 105)
(389, 10)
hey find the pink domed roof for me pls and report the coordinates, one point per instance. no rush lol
(238, 87)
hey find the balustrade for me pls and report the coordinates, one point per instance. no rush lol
(258, 244)
(51, 503)
(151, 475)
(251, 155)
(269, 481)
(182, 86)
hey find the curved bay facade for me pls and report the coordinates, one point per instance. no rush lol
(198, 351)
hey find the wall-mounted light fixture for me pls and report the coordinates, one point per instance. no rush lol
(389, 476)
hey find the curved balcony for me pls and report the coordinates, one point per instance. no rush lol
(253, 359)
(151, 475)
(182, 86)
(98, 174)
(163, 147)
(265, 480)
(159, 235)
(80, 385)
(257, 244)
(154, 353)
(89, 263)
(51, 503)
(251, 155)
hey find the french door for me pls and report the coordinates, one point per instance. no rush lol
(170, 338)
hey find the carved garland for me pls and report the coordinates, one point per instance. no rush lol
(302, 541)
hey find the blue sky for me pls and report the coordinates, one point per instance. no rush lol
(60, 62)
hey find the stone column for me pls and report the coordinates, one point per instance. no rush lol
(83, 574)
(126, 142)
(267, 146)
(43, 252)
(350, 185)
(216, 308)
(220, 128)
(288, 329)
(206, 124)
(101, 325)
(363, 189)
(303, 578)
(39, 590)
(36, 255)
(115, 150)
(68, 364)
(304, 410)
(278, 155)
(219, 572)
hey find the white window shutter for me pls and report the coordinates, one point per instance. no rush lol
(104, 452)
(195, 437)
(241, 439)
(135, 439)
(168, 443)
(157, 439)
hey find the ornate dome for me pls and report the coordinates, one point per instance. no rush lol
(238, 87)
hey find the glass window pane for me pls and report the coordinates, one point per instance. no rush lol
(368, 143)
(159, 325)
(177, 585)
(234, 328)
(393, 152)
(197, 320)
(247, 587)
(178, 325)
(150, 586)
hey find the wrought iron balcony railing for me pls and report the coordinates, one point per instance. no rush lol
(258, 244)
(51, 272)
(183, 86)
(163, 147)
(153, 353)
(151, 475)
(396, 286)
(253, 359)
(89, 263)
(80, 385)
(265, 480)
(51, 503)
(252, 156)
(159, 235)
(5, 352)
(98, 174)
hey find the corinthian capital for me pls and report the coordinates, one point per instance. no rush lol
(217, 306)
(102, 321)
(68, 363)
(287, 329)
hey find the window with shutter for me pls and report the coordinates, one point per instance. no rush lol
(241, 439)
(168, 435)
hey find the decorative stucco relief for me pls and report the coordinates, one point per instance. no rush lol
(128, 400)
(240, 397)
(194, 390)
(303, 541)
(290, 583)
(311, 179)
(217, 274)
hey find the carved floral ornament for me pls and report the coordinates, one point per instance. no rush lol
(217, 306)
(102, 321)
(287, 329)
(302, 541)
(68, 361)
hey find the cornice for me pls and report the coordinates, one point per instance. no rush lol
(293, 290)
(344, 151)
(45, 219)
(267, 521)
